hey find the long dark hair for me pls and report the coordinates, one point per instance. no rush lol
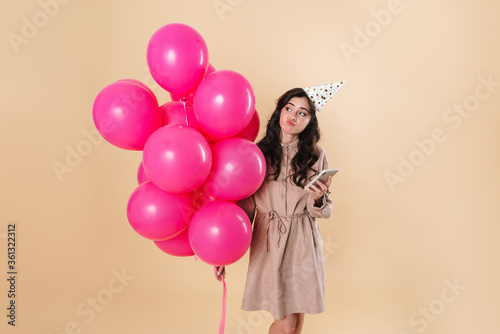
(308, 152)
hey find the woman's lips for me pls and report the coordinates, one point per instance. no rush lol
(290, 123)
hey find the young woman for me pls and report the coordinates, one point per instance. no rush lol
(286, 268)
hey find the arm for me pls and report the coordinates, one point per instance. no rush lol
(248, 205)
(319, 203)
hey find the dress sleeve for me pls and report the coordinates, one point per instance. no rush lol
(326, 205)
(248, 205)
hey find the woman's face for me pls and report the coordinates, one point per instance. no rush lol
(295, 116)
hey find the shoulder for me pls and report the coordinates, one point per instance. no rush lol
(322, 161)
(321, 152)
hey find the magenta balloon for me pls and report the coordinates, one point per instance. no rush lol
(210, 69)
(141, 174)
(220, 233)
(176, 246)
(251, 131)
(238, 169)
(177, 58)
(202, 198)
(224, 103)
(158, 215)
(178, 113)
(126, 114)
(143, 85)
(177, 158)
(177, 98)
(190, 97)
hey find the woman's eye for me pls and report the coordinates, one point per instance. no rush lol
(288, 109)
(303, 114)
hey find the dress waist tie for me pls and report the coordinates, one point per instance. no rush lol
(273, 215)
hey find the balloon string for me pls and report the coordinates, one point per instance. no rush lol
(223, 312)
(183, 101)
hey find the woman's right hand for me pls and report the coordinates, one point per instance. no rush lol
(220, 273)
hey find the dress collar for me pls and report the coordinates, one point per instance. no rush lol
(293, 145)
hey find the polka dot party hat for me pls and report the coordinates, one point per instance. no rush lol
(321, 94)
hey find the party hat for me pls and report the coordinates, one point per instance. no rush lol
(321, 94)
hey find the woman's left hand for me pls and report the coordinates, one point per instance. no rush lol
(220, 272)
(318, 189)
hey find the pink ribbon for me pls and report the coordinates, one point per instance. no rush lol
(223, 312)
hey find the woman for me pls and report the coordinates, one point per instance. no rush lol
(286, 267)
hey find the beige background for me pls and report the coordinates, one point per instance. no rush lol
(390, 252)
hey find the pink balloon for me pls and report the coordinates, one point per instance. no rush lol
(178, 113)
(224, 103)
(190, 97)
(143, 85)
(251, 131)
(220, 233)
(158, 215)
(176, 246)
(177, 98)
(141, 174)
(177, 58)
(126, 114)
(210, 69)
(177, 158)
(238, 169)
(202, 198)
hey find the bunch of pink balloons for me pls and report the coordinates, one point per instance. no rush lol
(198, 156)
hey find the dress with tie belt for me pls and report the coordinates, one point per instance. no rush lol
(286, 267)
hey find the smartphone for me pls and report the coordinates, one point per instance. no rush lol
(323, 176)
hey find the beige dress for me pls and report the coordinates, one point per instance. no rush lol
(286, 267)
